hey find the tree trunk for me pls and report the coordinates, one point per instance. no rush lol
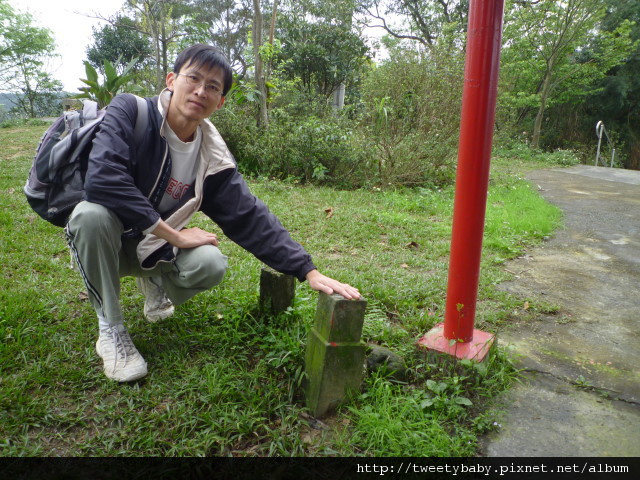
(263, 118)
(338, 97)
(339, 92)
(165, 55)
(544, 96)
(272, 30)
(156, 46)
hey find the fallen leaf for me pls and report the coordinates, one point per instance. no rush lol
(404, 265)
(413, 245)
(329, 212)
(82, 296)
(526, 305)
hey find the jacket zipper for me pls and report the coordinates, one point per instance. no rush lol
(164, 160)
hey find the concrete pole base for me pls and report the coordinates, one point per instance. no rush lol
(477, 349)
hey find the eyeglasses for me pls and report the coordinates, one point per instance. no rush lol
(196, 80)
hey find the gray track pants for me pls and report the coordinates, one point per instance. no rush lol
(95, 237)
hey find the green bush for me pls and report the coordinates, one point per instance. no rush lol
(316, 149)
(240, 132)
(517, 150)
(24, 122)
(412, 116)
(402, 131)
(305, 148)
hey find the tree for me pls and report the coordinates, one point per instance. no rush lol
(24, 49)
(225, 23)
(40, 93)
(321, 48)
(617, 103)
(164, 22)
(161, 21)
(426, 21)
(119, 43)
(541, 55)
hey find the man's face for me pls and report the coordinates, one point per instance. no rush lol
(197, 92)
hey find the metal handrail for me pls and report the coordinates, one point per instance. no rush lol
(599, 131)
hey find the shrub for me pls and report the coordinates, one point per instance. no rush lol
(404, 130)
(517, 150)
(412, 117)
(315, 149)
(240, 132)
(306, 149)
(23, 122)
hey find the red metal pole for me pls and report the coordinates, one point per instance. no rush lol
(472, 178)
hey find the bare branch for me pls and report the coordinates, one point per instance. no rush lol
(388, 29)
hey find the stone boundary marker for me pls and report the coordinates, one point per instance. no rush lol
(335, 354)
(277, 291)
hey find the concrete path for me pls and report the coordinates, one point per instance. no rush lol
(581, 394)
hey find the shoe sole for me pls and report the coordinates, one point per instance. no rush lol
(153, 318)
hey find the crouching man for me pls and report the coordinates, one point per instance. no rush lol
(141, 194)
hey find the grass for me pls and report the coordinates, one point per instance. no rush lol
(226, 380)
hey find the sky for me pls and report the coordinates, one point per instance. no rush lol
(71, 30)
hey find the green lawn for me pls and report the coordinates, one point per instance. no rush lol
(226, 380)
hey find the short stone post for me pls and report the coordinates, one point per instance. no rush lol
(277, 291)
(335, 355)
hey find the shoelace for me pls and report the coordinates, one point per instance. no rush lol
(156, 294)
(121, 342)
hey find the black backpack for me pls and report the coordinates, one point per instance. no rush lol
(56, 181)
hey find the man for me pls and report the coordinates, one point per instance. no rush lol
(140, 195)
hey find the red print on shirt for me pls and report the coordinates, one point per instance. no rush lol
(176, 189)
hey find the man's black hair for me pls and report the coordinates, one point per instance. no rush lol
(208, 57)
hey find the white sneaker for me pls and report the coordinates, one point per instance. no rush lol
(122, 361)
(156, 304)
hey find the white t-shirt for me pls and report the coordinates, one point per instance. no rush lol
(184, 166)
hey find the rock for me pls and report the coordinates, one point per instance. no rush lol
(383, 357)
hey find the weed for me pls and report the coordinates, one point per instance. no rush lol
(582, 382)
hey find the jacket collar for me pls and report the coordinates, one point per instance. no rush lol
(164, 99)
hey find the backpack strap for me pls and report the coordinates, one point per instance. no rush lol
(142, 119)
(89, 111)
